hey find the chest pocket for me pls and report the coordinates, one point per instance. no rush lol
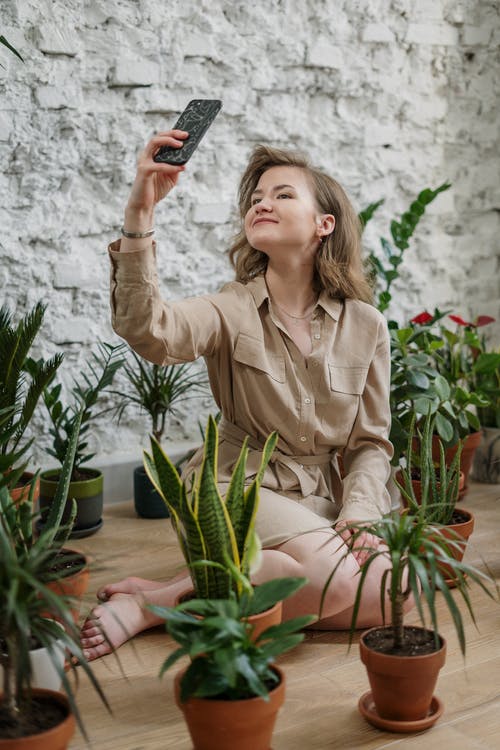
(251, 352)
(348, 379)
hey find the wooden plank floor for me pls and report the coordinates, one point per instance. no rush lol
(324, 681)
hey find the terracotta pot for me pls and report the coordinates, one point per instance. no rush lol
(486, 463)
(73, 586)
(417, 487)
(470, 445)
(227, 725)
(21, 493)
(402, 686)
(57, 738)
(464, 530)
(261, 621)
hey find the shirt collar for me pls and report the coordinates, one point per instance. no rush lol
(258, 289)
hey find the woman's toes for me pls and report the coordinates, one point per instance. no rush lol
(94, 653)
(95, 640)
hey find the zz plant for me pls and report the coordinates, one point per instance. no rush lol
(210, 528)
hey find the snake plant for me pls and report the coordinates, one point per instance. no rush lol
(210, 528)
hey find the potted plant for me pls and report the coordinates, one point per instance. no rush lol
(434, 495)
(462, 362)
(231, 691)
(210, 528)
(403, 661)
(157, 391)
(20, 391)
(486, 462)
(86, 485)
(31, 614)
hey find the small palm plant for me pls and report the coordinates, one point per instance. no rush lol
(21, 387)
(209, 527)
(415, 551)
(28, 608)
(158, 390)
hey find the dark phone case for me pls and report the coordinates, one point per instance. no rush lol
(196, 119)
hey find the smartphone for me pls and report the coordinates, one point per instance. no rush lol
(196, 119)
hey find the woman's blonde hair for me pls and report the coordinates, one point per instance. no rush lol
(338, 267)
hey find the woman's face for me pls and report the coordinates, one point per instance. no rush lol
(283, 212)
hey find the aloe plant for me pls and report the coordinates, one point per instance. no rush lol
(210, 528)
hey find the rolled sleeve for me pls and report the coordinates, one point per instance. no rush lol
(368, 452)
(161, 332)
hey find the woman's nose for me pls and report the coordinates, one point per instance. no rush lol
(263, 205)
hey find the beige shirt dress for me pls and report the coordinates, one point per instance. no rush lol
(337, 399)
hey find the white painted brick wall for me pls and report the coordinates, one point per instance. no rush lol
(387, 97)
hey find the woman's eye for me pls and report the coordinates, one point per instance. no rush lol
(284, 195)
(254, 201)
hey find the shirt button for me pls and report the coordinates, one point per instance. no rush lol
(303, 438)
(317, 335)
(307, 400)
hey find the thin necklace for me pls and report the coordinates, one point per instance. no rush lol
(296, 317)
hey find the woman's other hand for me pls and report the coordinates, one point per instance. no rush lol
(363, 545)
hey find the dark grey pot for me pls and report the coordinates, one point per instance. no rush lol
(147, 502)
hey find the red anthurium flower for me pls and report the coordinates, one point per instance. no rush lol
(460, 321)
(483, 320)
(422, 318)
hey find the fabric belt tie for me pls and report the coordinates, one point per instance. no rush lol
(235, 436)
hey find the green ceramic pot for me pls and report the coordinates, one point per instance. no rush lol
(88, 496)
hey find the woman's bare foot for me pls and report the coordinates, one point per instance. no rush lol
(112, 623)
(129, 585)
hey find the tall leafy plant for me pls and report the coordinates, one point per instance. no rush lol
(384, 266)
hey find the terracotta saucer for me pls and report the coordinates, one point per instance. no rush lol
(369, 712)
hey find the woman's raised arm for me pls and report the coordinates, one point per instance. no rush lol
(153, 181)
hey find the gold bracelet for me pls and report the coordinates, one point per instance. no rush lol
(137, 235)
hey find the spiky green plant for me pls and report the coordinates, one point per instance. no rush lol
(20, 388)
(209, 527)
(157, 390)
(26, 601)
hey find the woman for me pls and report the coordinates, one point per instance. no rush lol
(291, 345)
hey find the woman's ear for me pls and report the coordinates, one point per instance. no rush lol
(325, 224)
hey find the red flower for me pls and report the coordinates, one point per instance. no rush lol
(460, 321)
(483, 320)
(422, 318)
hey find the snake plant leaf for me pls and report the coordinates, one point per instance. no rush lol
(235, 499)
(164, 477)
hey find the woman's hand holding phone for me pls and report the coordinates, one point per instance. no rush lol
(153, 181)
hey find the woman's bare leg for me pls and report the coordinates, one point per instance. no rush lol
(312, 555)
